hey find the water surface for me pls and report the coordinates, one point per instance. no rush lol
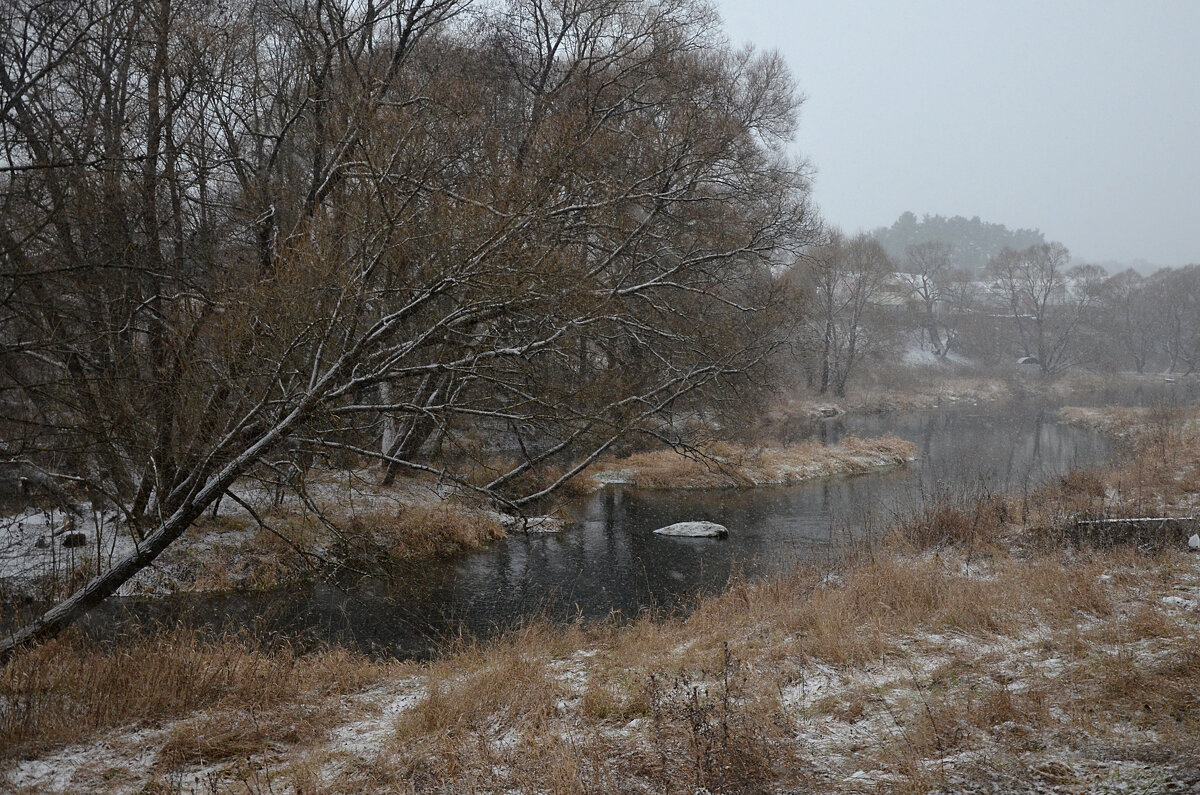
(609, 563)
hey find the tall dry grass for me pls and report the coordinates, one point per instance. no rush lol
(698, 703)
(423, 531)
(679, 705)
(1160, 479)
(244, 692)
(297, 545)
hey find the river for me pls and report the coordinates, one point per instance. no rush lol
(610, 564)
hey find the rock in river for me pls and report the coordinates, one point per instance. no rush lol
(693, 530)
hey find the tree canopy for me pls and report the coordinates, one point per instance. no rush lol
(973, 243)
(243, 237)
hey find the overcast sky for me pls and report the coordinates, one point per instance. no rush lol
(1080, 118)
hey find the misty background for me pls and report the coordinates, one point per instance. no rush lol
(1078, 119)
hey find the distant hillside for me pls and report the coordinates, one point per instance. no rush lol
(973, 241)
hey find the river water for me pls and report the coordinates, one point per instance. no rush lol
(609, 563)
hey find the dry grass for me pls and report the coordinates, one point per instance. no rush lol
(491, 688)
(1082, 698)
(348, 520)
(248, 558)
(911, 388)
(481, 467)
(297, 545)
(980, 523)
(710, 701)
(1160, 479)
(473, 710)
(900, 658)
(243, 693)
(729, 465)
(949, 655)
(425, 531)
(1150, 427)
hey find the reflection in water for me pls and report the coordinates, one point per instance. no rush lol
(610, 562)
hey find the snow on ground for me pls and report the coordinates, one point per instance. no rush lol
(919, 356)
(38, 543)
(615, 477)
(360, 740)
(841, 715)
(121, 762)
(37, 549)
(43, 546)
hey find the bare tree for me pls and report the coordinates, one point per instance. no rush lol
(842, 278)
(1046, 299)
(1132, 317)
(932, 283)
(238, 237)
(1175, 296)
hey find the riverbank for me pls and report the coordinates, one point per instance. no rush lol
(986, 643)
(920, 388)
(1147, 425)
(346, 519)
(258, 539)
(728, 465)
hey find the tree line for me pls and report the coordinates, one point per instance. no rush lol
(240, 239)
(973, 242)
(1028, 307)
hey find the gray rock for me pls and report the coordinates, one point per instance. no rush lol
(693, 530)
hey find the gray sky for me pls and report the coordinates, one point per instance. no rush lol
(1081, 118)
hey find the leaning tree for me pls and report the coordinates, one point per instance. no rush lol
(236, 237)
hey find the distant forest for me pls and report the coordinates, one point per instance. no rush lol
(973, 242)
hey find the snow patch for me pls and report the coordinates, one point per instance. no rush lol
(694, 530)
(1180, 602)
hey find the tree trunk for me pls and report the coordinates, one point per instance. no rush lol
(99, 588)
(62, 615)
